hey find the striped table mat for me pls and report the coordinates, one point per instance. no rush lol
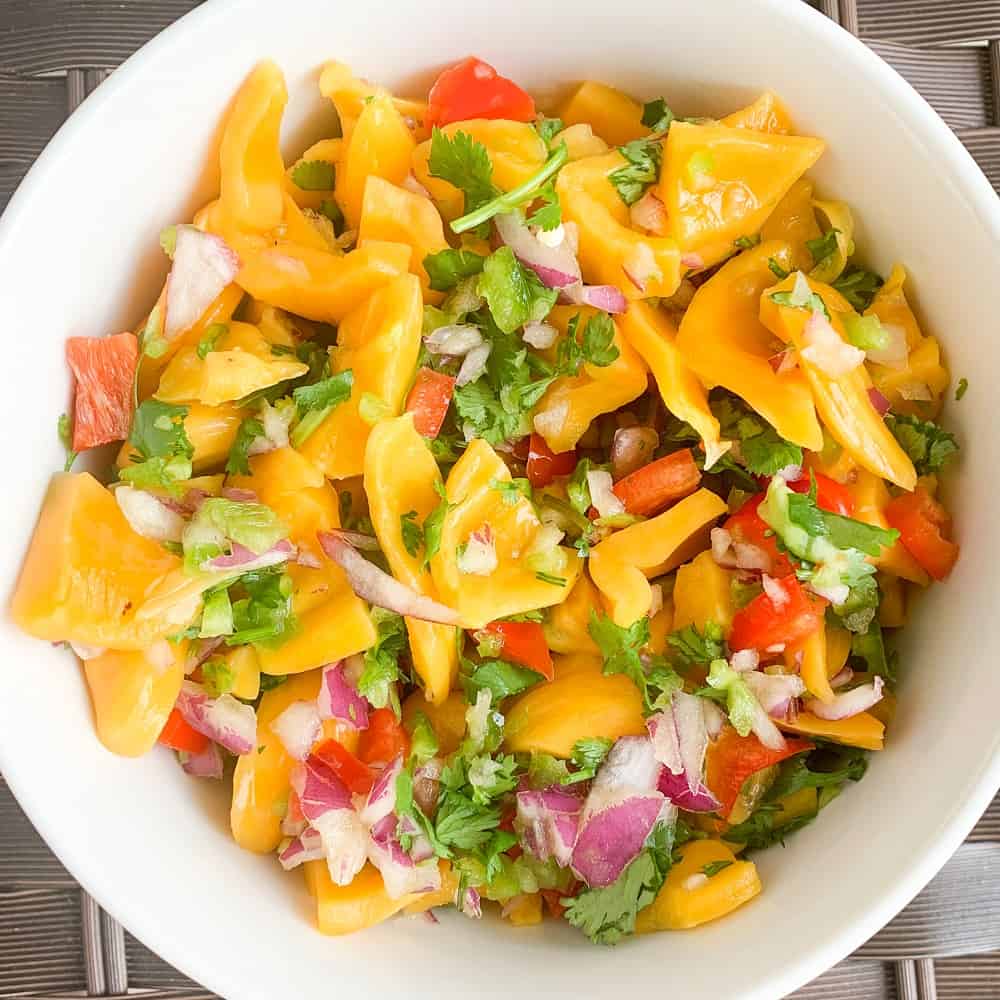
(55, 941)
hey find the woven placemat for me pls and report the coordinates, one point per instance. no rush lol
(54, 940)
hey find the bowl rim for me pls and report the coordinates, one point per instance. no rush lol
(958, 166)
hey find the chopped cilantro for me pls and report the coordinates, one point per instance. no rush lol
(642, 168)
(434, 525)
(238, 463)
(423, 740)
(578, 487)
(549, 215)
(776, 269)
(689, 647)
(314, 175)
(264, 612)
(621, 650)
(588, 756)
(500, 678)
(163, 448)
(928, 445)
(378, 679)
(448, 267)
(551, 578)
(656, 116)
(962, 388)
(714, 867)
(823, 246)
(763, 450)
(858, 285)
(209, 339)
(512, 490)
(870, 647)
(514, 293)
(331, 210)
(747, 242)
(217, 676)
(549, 128)
(65, 429)
(317, 401)
(465, 163)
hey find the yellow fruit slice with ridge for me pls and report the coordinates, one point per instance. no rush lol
(614, 116)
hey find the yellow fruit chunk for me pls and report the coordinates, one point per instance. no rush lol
(243, 662)
(87, 572)
(793, 221)
(689, 897)
(572, 402)
(703, 593)
(614, 116)
(842, 400)
(524, 910)
(380, 145)
(515, 149)
(653, 334)
(622, 565)
(864, 730)
(838, 649)
(580, 703)
(132, 696)
(766, 114)
(892, 607)
(720, 183)
(447, 718)
(239, 364)
(400, 478)
(344, 909)
(722, 340)
(580, 141)
(811, 657)
(379, 343)
(611, 252)
(393, 214)
(566, 626)
(261, 778)
(514, 585)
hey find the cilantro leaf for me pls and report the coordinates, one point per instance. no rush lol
(463, 824)
(314, 175)
(264, 612)
(448, 267)
(501, 678)
(512, 490)
(692, 648)
(961, 389)
(596, 345)
(847, 533)
(331, 210)
(325, 394)
(378, 679)
(777, 270)
(514, 293)
(578, 487)
(747, 242)
(549, 215)
(858, 285)
(238, 463)
(870, 647)
(642, 168)
(158, 430)
(656, 116)
(413, 534)
(423, 739)
(928, 445)
(465, 163)
(833, 765)
(714, 867)
(549, 128)
(620, 648)
(764, 451)
(65, 429)
(588, 756)
(217, 676)
(823, 246)
(434, 525)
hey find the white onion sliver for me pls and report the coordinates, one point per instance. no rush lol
(826, 349)
(850, 703)
(455, 340)
(298, 727)
(896, 351)
(774, 591)
(539, 335)
(557, 267)
(203, 266)
(474, 364)
(148, 516)
(601, 494)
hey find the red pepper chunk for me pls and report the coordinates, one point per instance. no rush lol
(384, 739)
(355, 774)
(653, 487)
(732, 758)
(429, 400)
(748, 527)
(524, 643)
(103, 372)
(179, 734)
(544, 464)
(473, 89)
(830, 495)
(790, 616)
(922, 524)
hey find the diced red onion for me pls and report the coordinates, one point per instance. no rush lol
(206, 764)
(293, 822)
(200, 652)
(826, 350)
(275, 422)
(744, 660)
(607, 298)
(381, 799)
(835, 593)
(692, 261)
(549, 237)
(400, 874)
(631, 764)
(715, 718)
(240, 495)
(229, 722)
(470, 903)
(539, 335)
(896, 352)
(319, 790)
(632, 448)
(784, 361)
(655, 599)
(339, 700)
(648, 213)
(345, 843)
(245, 560)
(298, 727)
(86, 652)
(740, 555)
(640, 266)
(377, 587)
(203, 266)
(612, 832)
(843, 676)
(775, 592)
(306, 558)
(679, 737)
(556, 267)
(357, 540)
(774, 691)
(479, 557)
(915, 391)
(547, 822)
(850, 703)
(473, 365)
(790, 473)
(602, 495)
(879, 401)
(675, 788)
(455, 340)
(148, 516)
(765, 730)
(307, 846)
(411, 184)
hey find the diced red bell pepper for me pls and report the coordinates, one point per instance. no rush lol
(653, 487)
(791, 616)
(524, 643)
(473, 89)
(355, 774)
(103, 372)
(384, 739)
(544, 464)
(732, 758)
(429, 400)
(748, 527)
(830, 495)
(922, 524)
(178, 734)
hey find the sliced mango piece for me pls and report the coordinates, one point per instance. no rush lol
(87, 573)
(566, 625)
(580, 703)
(379, 343)
(653, 334)
(622, 565)
(447, 718)
(842, 401)
(838, 649)
(722, 340)
(720, 183)
(400, 478)
(689, 897)
(703, 592)
(572, 402)
(325, 151)
(513, 586)
(766, 114)
(614, 116)
(813, 668)
(610, 250)
(243, 662)
(524, 910)
(892, 607)
(132, 697)
(864, 730)
(793, 221)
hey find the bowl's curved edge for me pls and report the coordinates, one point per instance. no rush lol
(973, 186)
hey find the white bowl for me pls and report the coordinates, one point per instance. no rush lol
(79, 255)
